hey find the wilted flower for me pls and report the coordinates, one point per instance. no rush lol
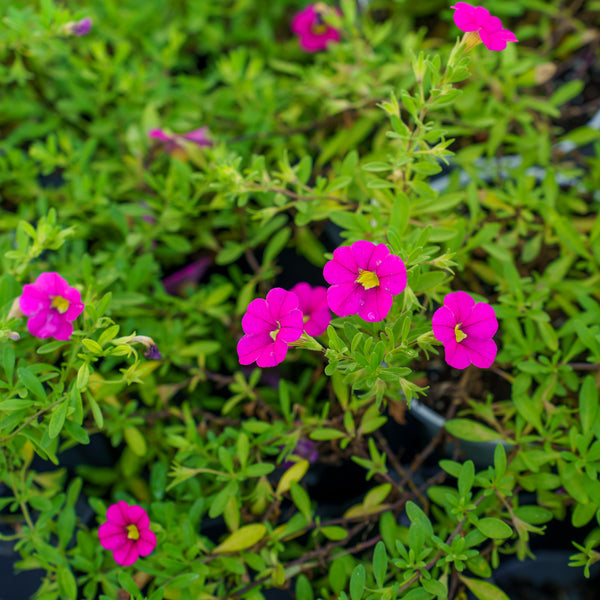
(127, 533)
(481, 27)
(466, 329)
(270, 325)
(51, 305)
(152, 351)
(81, 27)
(365, 277)
(188, 275)
(173, 141)
(313, 33)
(305, 449)
(314, 307)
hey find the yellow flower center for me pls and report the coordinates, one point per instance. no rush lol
(60, 304)
(319, 26)
(460, 335)
(274, 333)
(367, 279)
(319, 29)
(471, 39)
(132, 532)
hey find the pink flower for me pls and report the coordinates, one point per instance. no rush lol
(314, 307)
(127, 533)
(51, 306)
(172, 141)
(270, 325)
(313, 33)
(481, 26)
(466, 329)
(365, 277)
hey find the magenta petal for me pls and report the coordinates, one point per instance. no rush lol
(291, 327)
(378, 256)
(465, 17)
(318, 322)
(362, 251)
(258, 319)
(460, 303)
(272, 354)
(45, 324)
(146, 543)
(250, 347)
(303, 20)
(52, 283)
(443, 324)
(492, 25)
(159, 134)
(76, 306)
(137, 516)
(377, 304)
(198, 136)
(392, 274)
(457, 355)
(481, 323)
(281, 302)
(345, 299)
(343, 267)
(118, 514)
(481, 352)
(33, 300)
(112, 536)
(64, 331)
(127, 554)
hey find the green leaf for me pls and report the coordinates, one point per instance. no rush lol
(465, 429)
(8, 362)
(182, 581)
(303, 588)
(128, 584)
(243, 538)
(588, 403)
(135, 440)
(243, 449)
(326, 433)
(66, 583)
(295, 473)
(484, 590)
(31, 382)
(466, 478)
(301, 499)
(494, 528)
(334, 532)
(380, 563)
(57, 420)
(357, 582)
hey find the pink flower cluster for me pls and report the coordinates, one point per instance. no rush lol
(363, 278)
(271, 324)
(480, 26)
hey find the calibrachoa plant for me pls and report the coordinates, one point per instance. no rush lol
(237, 328)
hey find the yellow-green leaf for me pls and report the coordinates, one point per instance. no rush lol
(295, 473)
(242, 538)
